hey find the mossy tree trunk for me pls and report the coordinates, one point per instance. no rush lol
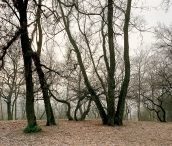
(21, 6)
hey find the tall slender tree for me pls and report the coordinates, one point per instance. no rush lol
(19, 9)
(111, 80)
(108, 117)
(123, 93)
(36, 58)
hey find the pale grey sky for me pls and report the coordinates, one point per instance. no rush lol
(154, 15)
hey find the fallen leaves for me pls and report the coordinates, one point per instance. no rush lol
(87, 133)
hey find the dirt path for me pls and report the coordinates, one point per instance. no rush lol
(87, 133)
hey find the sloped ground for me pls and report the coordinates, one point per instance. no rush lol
(87, 133)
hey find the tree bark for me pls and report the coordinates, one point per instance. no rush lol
(42, 81)
(44, 88)
(21, 6)
(86, 81)
(123, 93)
(111, 81)
(10, 116)
(68, 105)
(83, 116)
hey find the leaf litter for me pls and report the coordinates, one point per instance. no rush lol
(87, 133)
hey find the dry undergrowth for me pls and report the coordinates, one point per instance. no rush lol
(87, 133)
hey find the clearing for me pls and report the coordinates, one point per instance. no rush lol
(87, 133)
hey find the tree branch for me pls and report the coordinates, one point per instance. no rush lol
(4, 49)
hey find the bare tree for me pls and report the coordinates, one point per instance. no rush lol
(110, 64)
(12, 81)
(19, 10)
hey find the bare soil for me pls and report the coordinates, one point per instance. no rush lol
(87, 133)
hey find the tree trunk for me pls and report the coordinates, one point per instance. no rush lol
(15, 111)
(44, 88)
(111, 81)
(28, 77)
(26, 50)
(42, 81)
(30, 113)
(85, 113)
(68, 105)
(139, 98)
(153, 106)
(10, 117)
(1, 109)
(86, 81)
(9, 110)
(123, 93)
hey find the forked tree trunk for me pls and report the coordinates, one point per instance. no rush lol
(86, 81)
(42, 81)
(68, 105)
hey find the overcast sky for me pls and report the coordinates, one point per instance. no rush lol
(154, 15)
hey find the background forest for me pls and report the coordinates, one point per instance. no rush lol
(72, 59)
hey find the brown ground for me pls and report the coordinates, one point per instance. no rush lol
(87, 133)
